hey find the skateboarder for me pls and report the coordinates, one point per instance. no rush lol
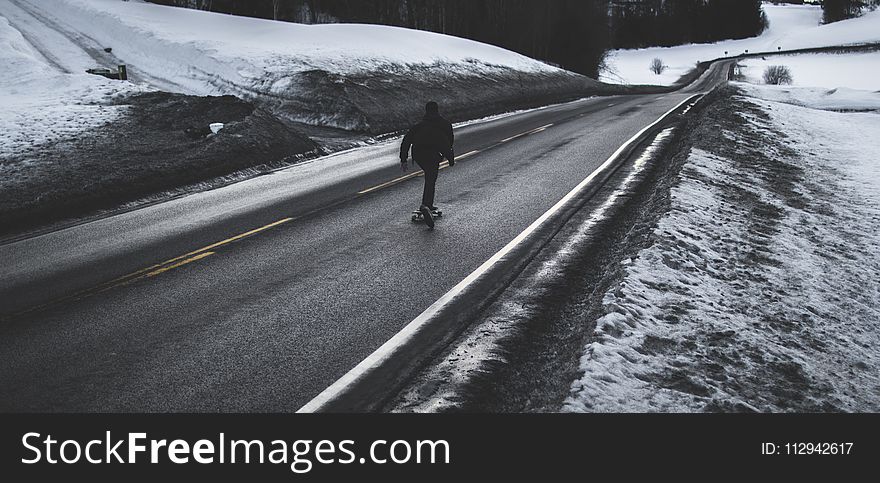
(431, 140)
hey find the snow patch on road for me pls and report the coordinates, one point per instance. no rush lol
(760, 292)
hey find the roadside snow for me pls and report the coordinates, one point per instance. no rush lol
(41, 104)
(837, 99)
(761, 290)
(791, 27)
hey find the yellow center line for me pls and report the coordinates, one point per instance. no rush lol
(179, 264)
(229, 240)
(152, 270)
(390, 183)
(533, 131)
(444, 164)
(467, 155)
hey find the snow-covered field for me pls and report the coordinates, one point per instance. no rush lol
(315, 74)
(791, 27)
(761, 290)
(854, 70)
(843, 82)
(338, 75)
(207, 52)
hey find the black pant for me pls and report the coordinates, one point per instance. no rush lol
(431, 166)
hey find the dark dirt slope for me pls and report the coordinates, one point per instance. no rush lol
(388, 100)
(144, 153)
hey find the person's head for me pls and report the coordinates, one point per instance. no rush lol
(432, 108)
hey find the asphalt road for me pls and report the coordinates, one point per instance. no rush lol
(257, 296)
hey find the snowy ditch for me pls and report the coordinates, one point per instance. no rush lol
(747, 284)
(760, 292)
(448, 383)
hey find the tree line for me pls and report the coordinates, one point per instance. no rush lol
(648, 23)
(836, 10)
(573, 34)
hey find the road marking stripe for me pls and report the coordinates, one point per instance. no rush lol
(403, 337)
(444, 164)
(200, 250)
(230, 240)
(179, 264)
(533, 131)
(467, 155)
(158, 268)
(152, 270)
(390, 183)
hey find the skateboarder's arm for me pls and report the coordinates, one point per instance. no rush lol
(450, 153)
(406, 144)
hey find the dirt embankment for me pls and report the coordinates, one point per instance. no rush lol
(386, 101)
(163, 143)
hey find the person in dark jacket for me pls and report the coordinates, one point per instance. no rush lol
(431, 140)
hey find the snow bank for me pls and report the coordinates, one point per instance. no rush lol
(760, 291)
(792, 27)
(41, 104)
(837, 99)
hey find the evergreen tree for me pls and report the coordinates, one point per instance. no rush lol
(836, 10)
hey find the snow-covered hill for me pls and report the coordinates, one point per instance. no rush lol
(334, 75)
(42, 103)
(791, 27)
(210, 53)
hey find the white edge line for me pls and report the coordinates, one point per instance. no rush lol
(402, 338)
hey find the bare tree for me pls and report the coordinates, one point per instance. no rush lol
(777, 74)
(657, 66)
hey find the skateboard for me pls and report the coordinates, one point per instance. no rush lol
(417, 215)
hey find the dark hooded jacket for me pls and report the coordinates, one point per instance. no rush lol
(430, 139)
